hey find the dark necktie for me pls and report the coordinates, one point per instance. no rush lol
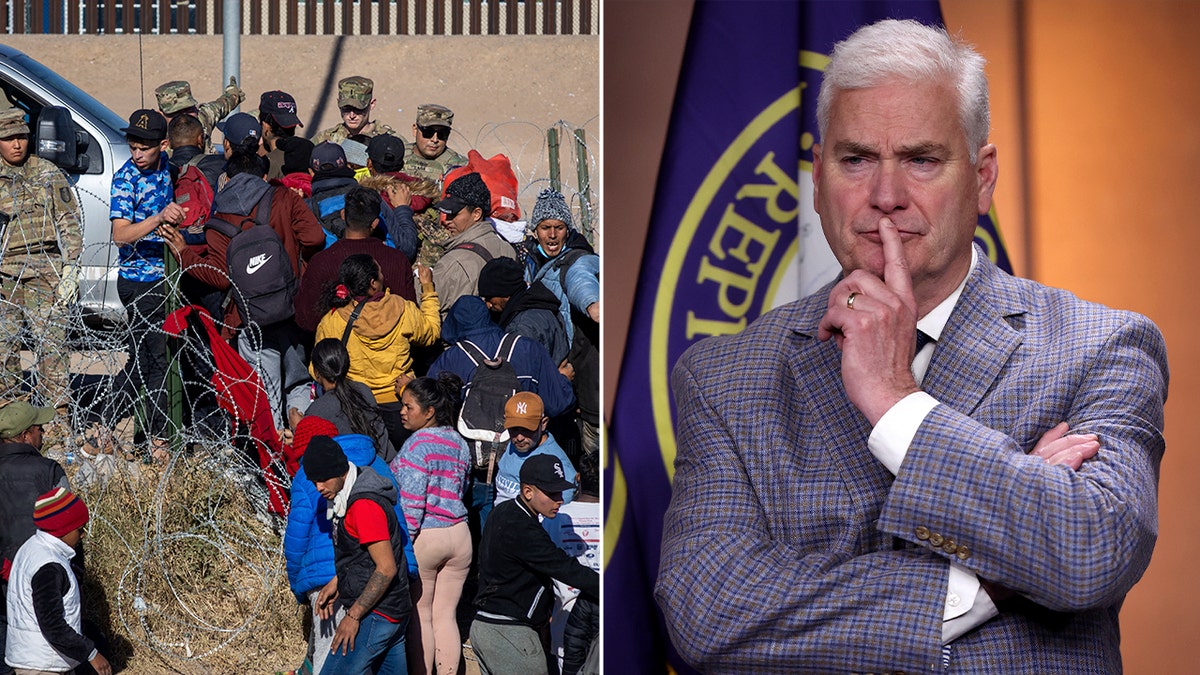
(922, 340)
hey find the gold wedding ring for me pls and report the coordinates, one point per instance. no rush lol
(850, 299)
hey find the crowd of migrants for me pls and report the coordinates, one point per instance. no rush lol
(423, 371)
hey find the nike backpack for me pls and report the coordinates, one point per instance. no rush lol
(259, 268)
(481, 421)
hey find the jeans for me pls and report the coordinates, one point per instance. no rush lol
(276, 353)
(378, 648)
(479, 499)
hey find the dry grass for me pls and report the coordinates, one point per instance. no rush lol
(185, 572)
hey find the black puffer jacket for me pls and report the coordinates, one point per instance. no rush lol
(583, 625)
(24, 475)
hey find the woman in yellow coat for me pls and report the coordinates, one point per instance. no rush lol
(382, 329)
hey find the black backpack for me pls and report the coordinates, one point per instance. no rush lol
(481, 421)
(259, 267)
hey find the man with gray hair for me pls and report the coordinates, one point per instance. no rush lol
(927, 465)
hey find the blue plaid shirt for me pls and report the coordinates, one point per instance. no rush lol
(137, 195)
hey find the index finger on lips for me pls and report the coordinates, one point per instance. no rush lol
(895, 266)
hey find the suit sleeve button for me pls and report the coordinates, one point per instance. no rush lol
(936, 539)
(963, 553)
(950, 546)
(922, 532)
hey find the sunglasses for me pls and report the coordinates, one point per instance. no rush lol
(349, 109)
(442, 133)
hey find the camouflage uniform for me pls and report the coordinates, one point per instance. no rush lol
(356, 91)
(339, 132)
(42, 237)
(432, 115)
(176, 96)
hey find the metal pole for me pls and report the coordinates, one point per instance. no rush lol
(584, 181)
(174, 362)
(231, 31)
(552, 142)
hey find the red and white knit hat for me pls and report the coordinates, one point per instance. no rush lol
(59, 511)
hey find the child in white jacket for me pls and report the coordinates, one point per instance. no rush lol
(44, 620)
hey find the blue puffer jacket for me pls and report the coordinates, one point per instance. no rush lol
(583, 283)
(307, 545)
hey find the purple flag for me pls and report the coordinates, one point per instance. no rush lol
(733, 235)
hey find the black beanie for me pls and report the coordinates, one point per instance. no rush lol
(297, 152)
(501, 278)
(472, 191)
(324, 459)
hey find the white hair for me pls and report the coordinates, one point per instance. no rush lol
(909, 51)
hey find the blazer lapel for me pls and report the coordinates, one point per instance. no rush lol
(843, 430)
(979, 339)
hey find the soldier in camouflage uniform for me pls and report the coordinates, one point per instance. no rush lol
(175, 98)
(355, 102)
(39, 262)
(428, 156)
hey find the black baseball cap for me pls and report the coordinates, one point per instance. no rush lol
(450, 205)
(240, 127)
(327, 157)
(386, 152)
(281, 107)
(545, 472)
(146, 125)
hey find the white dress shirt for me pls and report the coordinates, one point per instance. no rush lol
(967, 604)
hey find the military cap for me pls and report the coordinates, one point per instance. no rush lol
(434, 115)
(146, 125)
(355, 91)
(174, 97)
(12, 122)
(17, 416)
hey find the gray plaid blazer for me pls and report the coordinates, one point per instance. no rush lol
(788, 548)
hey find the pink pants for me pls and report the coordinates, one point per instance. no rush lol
(444, 558)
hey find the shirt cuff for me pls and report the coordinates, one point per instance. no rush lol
(972, 605)
(961, 589)
(890, 438)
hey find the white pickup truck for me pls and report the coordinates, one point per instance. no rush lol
(88, 145)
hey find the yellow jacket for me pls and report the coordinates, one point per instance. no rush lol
(380, 338)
